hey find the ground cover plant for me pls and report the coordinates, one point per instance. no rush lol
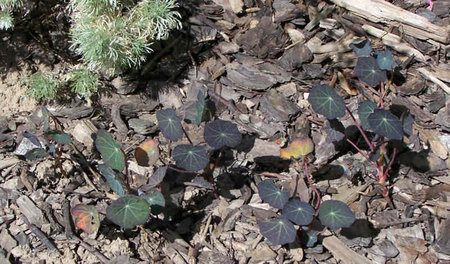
(332, 214)
(384, 127)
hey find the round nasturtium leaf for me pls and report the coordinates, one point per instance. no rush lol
(272, 195)
(325, 101)
(114, 180)
(368, 71)
(362, 48)
(170, 124)
(147, 153)
(156, 201)
(128, 211)
(364, 110)
(111, 153)
(86, 218)
(298, 148)
(278, 231)
(386, 124)
(310, 238)
(190, 157)
(299, 212)
(385, 60)
(59, 136)
(335, 214)
(220, 133)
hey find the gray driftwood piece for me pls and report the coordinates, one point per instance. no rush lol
(385, 12)
(342, 252)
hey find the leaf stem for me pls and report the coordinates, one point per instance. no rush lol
(394, 154)
(360, 150)
(381, 94)
(360, 129)
(187, 136)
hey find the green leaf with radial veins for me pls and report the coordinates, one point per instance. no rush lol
(156, 201)
(191, 158)
(59, 136)
(364, 110)
(385, 60)
(219, 133)
(385, 124)
(325, 101)
(111, 153)
(170, 124)
(335, 214)
(278, 231)
(368, 71)
(114, 179)
(299, 212)
(128, 211)
(272, 195)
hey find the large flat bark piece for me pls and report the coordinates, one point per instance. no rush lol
(385, 12)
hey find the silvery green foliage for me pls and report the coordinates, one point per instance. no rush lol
(113, 36)
(83, 81)
(6, 8)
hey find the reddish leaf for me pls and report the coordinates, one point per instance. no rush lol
(86, 218)
(298, 148)
(147, 153)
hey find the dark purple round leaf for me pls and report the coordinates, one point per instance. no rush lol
(111, 153)
(272, 195)
(335, 214)
(325, 101)
(278, 231)
(59, 136)
(385, 124)
(170, 124)
(362, 48)
(364, 110)
(219, 133)
(367, 70)
(128, 211)
(191, 158)
(385, 60)
(310, 238)
(299, 212)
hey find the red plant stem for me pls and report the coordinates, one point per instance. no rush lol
(360, 129)
(216, 163)
(311, 184)
(187, 136)
(381, 94)
(359, 150)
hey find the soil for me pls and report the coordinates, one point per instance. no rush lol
(256, 63)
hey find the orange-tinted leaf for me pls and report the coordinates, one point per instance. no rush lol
(147, 153)
(297, 148)
(86, 218)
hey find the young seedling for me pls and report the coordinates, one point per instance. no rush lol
(325, 101)
(281, 230)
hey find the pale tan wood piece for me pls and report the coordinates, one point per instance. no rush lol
(343, 253)
(429, 76)
(385, 12)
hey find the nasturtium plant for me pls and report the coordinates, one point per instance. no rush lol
(385, 60)
(335, 214)
(362, 48)
(325, 101)
(114, 179)
(86, 218)
(170, 124)
(221, 133)
(111, 153)
(364, 110)
(156, 201)
(297, 148)
(147, 153)
(310, 238)
(386, 124)
(194, 111)
(128, 211)
(301, 213)
(190, 157)
(368, 71)
(278, 231)
(59, 136)
(272, 195)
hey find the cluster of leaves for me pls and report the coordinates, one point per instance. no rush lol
(83, 81)
(42, 86)
(6, 9)
(372, 70)
(333, 214)
(113, 36)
